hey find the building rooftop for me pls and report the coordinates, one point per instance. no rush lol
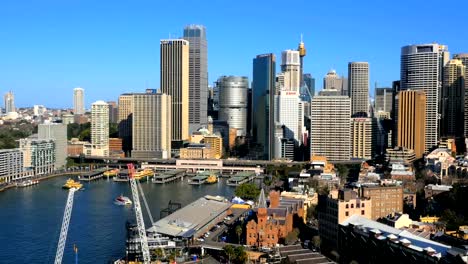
(417, 242)
(436, 187)
(188, 220)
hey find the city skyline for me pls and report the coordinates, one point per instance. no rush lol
(125, 57)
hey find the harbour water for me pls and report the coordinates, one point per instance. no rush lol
(30, 218)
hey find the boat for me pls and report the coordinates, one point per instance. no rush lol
(72, 184)
(212, 179)
(111, 173)
(27, 183)
(122, 200)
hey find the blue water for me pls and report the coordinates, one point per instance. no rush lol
(30, 218)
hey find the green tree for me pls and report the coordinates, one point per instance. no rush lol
(158, 252)
(247, 191)
(229, 251)
(238, 233)
(113, 130)
(316, 241)
(240, 255)
(292, 236)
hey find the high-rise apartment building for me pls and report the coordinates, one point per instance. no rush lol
(233, 102)
(452, 100)
(333, 81)
(291, 69)
(464, 58)
(412, 121)
(125, 120)
(175, 82)
(39, 155)
(383, 100)
(362, 138)
(58, 133)
(100, 128)
(421, 69)
(263, 87)
(330, 132)
(198, 76)
(9, 102)
(358, 74)
(78, 101)
(151, 133)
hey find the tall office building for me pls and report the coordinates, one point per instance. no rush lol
(291, 69)
(464, 58)
(100, 127)
(452, 99)
(309, 82)
(151, 125)
(233, 102)
(358, 74)
(78, 101)
(57, 132)
(287, 115)
(263, 87)
(362, 138)
(421, 69)
(330, 130)
(412, 121)
(383, 100)
(175, 82)
(198, 76)
(125, 113)
(396, 88)
(333, 81)
(9, 102)
(113, 112)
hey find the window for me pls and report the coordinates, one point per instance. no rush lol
(352, 205)
(362, 205)
(347, 206)
(347, 214)
(362, 212)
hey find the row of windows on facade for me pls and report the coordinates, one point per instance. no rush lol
(357, 205)
(261, 237)
(347, 213)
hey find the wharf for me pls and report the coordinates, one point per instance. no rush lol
(241, 178)
(198, 180)
(91, 176)
(169, 176)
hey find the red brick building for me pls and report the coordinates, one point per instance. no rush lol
(273, 223)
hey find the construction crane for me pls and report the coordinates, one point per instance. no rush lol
(64, 229)
(139, 215)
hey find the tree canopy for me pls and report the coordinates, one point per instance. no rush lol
(247, 191)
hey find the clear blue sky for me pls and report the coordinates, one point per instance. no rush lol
(109, 47)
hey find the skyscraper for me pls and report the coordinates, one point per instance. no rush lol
(287, 115)
(175, 82)
(263, 87)
(125, 113)
(358, 74)
(452, 99)
(198, 76)
(310, 84)
(151, 125)
(113, 112)
(411, 121)
(100, 127)
(362, 138)
(233, 93)
(9, 102)
(291, 69)
(330, 131)
(57, 132)
(383, 100)
(421, 69)
(333, 81)
(464, 58)
(78, 101)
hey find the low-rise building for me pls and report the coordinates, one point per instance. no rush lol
(435, 189)
(400, 155)
(385, 199)
(400, 172)
(196, 151)
(12, 166)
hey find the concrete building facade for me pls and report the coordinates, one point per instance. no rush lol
(175, 82)
(38, 155)
(358, 75)
(100, 127)
(125, 120)
(291, 70)
(198, 76)
(151, 126)
(362, 138)
(9, 102)
(11, 165)
(333, 81)
(78, 101)
(452, 100)
(464, 59)
(412, 121)
(287, 115)
(383, 100)
(57, 132)
(385, 200)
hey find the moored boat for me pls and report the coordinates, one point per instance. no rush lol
(27, 183)
(72, 184)
(122, 200)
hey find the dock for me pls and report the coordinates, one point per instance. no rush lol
(122, 176)
(201, 177)
(169, 176)
(93, 175)
(241, 178)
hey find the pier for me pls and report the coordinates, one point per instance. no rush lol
(93, 175)
(241, 178)
(169, 176)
